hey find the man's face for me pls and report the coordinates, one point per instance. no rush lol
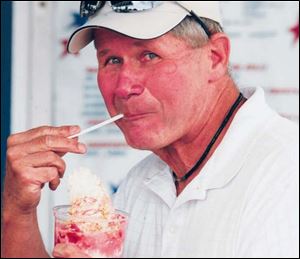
(159, 85)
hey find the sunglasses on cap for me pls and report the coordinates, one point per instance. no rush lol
(89, 8)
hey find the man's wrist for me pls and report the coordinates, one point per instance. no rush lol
(14, 215)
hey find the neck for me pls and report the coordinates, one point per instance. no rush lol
(184, 153)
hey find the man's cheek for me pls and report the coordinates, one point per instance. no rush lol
(166, 68)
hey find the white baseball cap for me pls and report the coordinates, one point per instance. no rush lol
(147, 24)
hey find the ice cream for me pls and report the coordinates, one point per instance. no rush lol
(88, 195)
(90, 221)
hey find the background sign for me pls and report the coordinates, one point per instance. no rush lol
(265, 50)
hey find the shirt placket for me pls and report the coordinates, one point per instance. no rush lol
(171, 233)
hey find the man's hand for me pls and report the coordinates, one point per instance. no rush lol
(68, 251)
(33, 159)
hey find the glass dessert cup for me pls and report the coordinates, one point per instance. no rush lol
(95, 236)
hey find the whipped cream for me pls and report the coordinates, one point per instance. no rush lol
(88, 196)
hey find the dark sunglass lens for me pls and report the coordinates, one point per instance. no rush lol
(88, 8)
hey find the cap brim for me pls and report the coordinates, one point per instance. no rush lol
(141, 25)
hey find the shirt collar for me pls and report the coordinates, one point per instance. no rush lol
(160, 182)
(231, 154)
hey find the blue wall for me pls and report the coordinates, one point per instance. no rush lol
(6, 40)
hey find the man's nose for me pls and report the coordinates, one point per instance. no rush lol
(129, 84)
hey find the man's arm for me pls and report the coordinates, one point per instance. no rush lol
(33, 159)
(20, 236)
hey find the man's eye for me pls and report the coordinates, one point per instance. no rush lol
(150, 56)
(112, 61)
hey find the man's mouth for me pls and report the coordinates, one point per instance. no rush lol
(134, 116)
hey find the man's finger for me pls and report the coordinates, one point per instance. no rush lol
(49, 143)
(61, 154)
(54, 183)
(45, 174)
(45, 159)
(19, 138)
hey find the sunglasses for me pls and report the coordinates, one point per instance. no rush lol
(89, 8)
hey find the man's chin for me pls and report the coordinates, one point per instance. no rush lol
(142, 144)
(144, 138)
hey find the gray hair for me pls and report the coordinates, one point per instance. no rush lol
(193, 33)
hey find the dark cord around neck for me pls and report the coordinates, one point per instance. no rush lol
(212, 142)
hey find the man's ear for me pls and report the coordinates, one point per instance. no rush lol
(219, 47)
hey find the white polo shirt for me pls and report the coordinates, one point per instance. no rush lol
(244, 202)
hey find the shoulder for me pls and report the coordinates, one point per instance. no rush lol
(266, 136)
(275, 155)
(271, 168)
(280, 140)
(284, 131)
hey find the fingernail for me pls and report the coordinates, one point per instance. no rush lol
(74, 129)
(81, 148)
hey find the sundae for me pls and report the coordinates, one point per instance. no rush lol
(90, 222)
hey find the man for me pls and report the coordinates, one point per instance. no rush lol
(223, 179)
